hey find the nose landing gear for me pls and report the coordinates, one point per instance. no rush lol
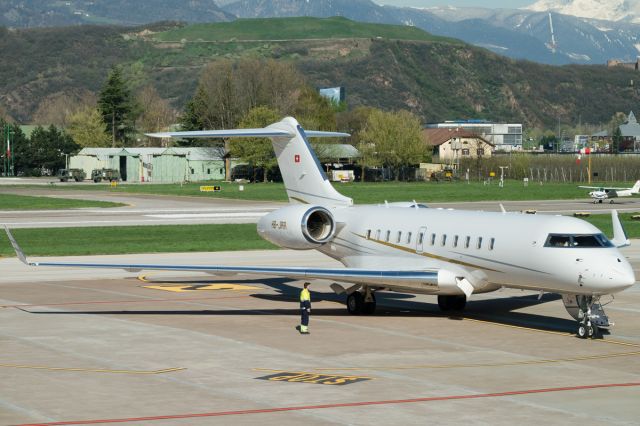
(589, 313)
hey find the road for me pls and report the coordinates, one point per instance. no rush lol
(172, 210)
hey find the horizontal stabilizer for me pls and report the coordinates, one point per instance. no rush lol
(245, 133)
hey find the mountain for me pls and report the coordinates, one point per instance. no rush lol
(607, 10)
(520, 34)
(387, 66)
(358, 10)
(51, 13)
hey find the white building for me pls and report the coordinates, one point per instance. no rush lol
(504, 136)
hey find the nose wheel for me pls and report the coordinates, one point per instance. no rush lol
(587, 331)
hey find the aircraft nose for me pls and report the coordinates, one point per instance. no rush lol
(623, 276)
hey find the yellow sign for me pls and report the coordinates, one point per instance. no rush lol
(313, 378)
(114, 183)
(210, 188)
(492, 174)
(198, 287)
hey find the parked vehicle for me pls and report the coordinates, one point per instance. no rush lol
(111, 175)
(76, 174)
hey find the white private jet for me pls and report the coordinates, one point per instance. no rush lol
(601, 193)
(407, 247)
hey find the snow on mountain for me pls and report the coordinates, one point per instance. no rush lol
(608, 10)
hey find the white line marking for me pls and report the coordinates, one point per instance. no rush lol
(204, 215)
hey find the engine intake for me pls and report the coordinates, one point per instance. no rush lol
(298, 227)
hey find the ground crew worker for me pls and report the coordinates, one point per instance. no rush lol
(305, 309)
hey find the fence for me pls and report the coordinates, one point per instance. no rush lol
(556, 167)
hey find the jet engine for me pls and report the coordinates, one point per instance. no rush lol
(299, 227)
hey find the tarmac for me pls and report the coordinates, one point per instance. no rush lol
(90, 346)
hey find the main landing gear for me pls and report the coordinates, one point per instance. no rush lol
(361, 302)
(451, 303)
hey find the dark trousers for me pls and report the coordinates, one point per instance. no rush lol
(304, 320)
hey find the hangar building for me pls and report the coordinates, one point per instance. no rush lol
(155, 164)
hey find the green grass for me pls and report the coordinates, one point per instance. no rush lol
(603, 222)
(134, 239)
(294, 28)
(23, 202)
(368, 193)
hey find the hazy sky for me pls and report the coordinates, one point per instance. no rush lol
(494, 4)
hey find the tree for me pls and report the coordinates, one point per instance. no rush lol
(86, 128)
(258, 152)
(397, 137)
(616, 141)
(116, 106)
(58, 107)
(156, 114)
(45, 151)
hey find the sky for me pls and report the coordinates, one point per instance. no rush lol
(491, 4)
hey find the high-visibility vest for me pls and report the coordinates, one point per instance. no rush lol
(305, 296)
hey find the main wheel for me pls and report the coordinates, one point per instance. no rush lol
(600, 201)
(449, 303)
(368, 308)
(355, 303)
(591, 331)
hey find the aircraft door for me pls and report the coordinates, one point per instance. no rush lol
(422, 234)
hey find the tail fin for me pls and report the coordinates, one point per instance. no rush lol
(636, 187)
(304, 179)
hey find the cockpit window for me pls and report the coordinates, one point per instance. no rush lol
(581, 241)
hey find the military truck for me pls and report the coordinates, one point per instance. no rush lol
(76, 174)
(111, 175)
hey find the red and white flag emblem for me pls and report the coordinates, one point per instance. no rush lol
(296, 158)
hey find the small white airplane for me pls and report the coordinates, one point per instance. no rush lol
(407, 247)
(601, 193)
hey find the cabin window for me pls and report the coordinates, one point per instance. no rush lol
(399, 237)
(455, 241)
(420, 238)
(433, 239)
(378, 235)
(208, 171)
(408, 237)
(444, 240)
(492, 242)
(368, 233)
(467, 241)
(479, 242)
(388, 235)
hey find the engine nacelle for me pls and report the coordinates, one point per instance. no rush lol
(299, 227)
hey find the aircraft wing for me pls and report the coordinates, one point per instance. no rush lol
(350, 275)
(603, 188)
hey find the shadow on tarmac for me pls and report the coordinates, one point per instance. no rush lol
(500, 310)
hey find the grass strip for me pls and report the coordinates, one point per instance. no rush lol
(367, 192)
(134, 239)
(25, 202)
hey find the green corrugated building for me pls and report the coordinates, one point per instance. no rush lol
(155, 164)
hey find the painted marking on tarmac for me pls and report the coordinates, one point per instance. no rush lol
(202, 287)
(92, 370)
(484, 365)
(344, 405)
(313, 378)
(100, 302)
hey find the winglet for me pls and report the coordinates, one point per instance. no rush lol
(619, 235)
(16, 247)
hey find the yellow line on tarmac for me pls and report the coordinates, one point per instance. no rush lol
(496, 364)
(92, 370)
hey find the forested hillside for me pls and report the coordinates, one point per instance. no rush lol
(390, 67)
